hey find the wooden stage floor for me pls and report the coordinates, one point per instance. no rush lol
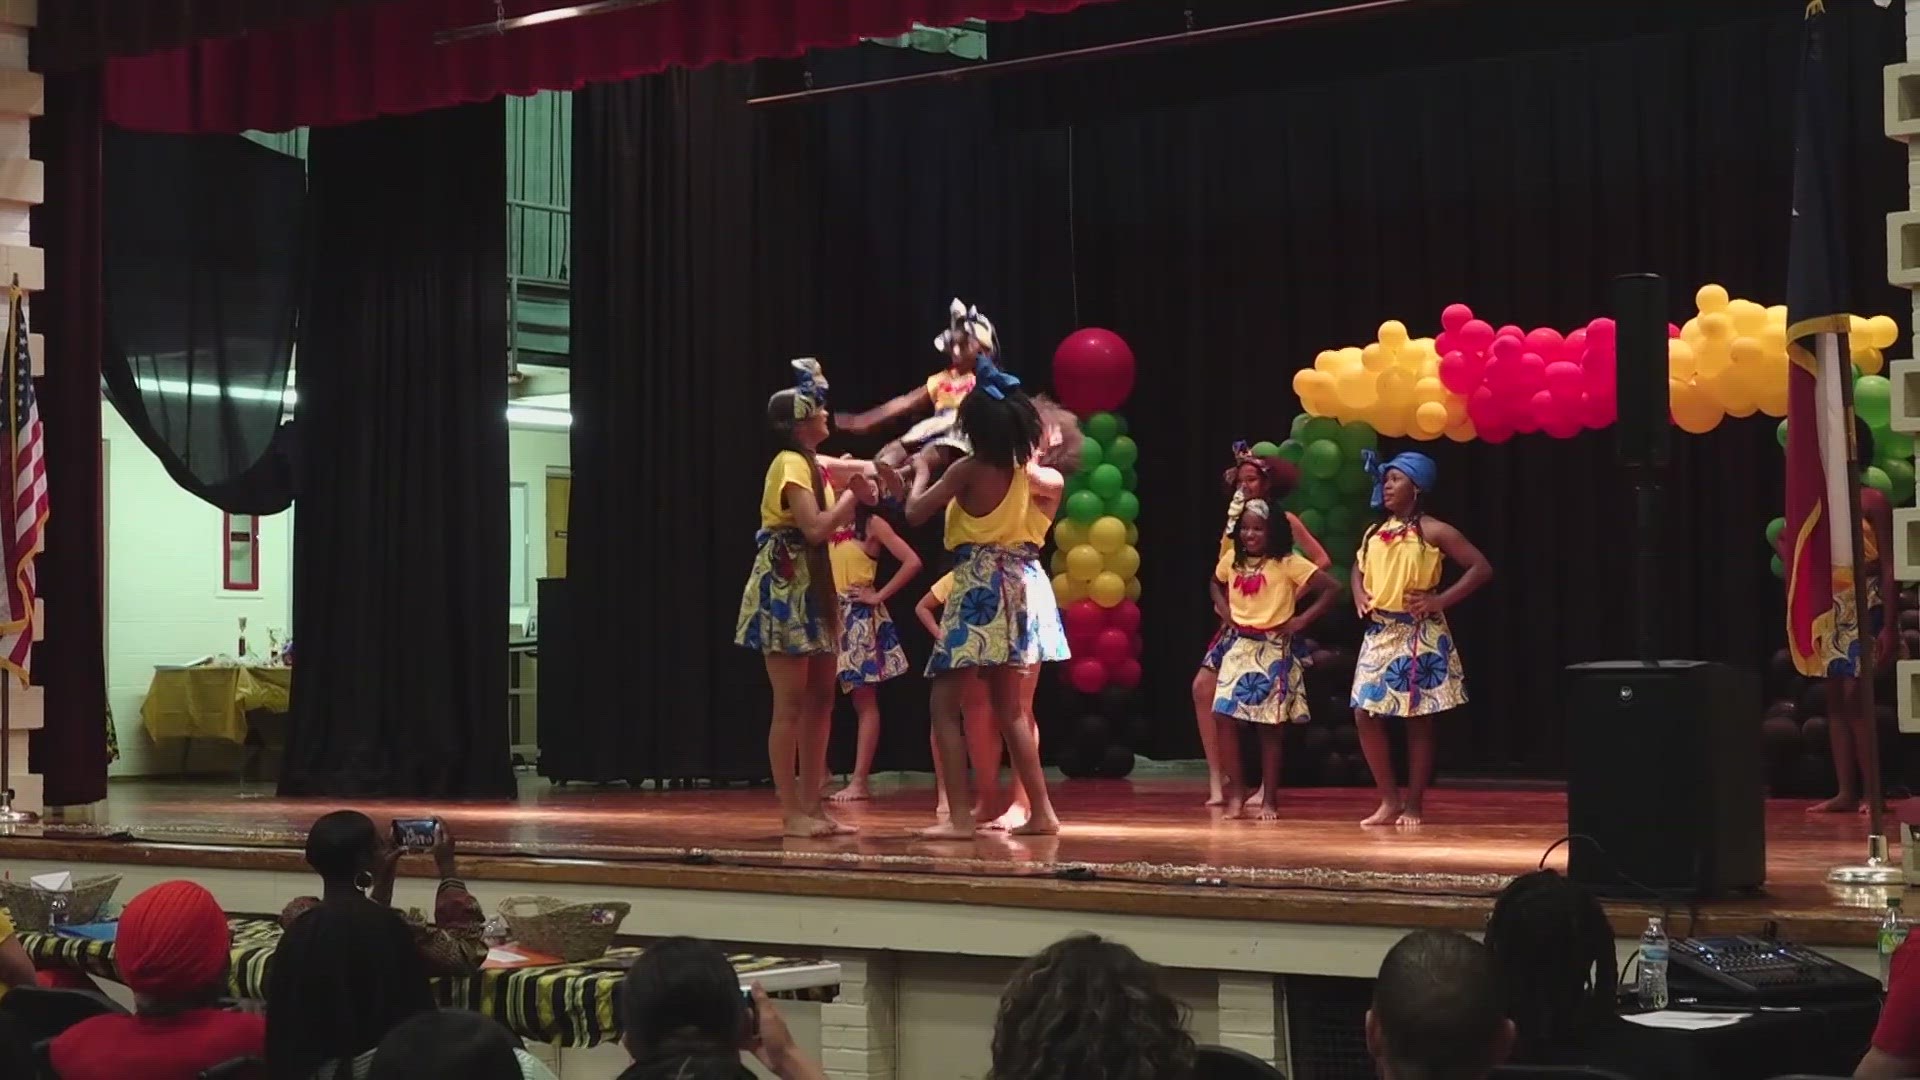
(1142, 846)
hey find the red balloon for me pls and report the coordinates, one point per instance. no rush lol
(1496, 434)
(1092, 371)
(1444, 343)
(1475, 336)
(1485, 409)
(1508, 348)
(1596, 411)
(1673, 331)
(1089, 676)
(1124, 615)
(1511, 331)
(1600, 333)
(1565, 381)
(1458, 373)
(1113, 646)
(1455, 316)
(1124, 674)
(1532, 372)
(1546, 341)
(1575, 344)
(1083, 621)
(1529, 414)
(1136, 645)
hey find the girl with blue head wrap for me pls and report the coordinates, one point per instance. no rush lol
(968, 341)
(1408, 666)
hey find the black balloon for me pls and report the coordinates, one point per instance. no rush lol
(1116, 763)
(1092, 731)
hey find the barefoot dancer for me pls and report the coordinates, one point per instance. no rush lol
(789, 611)
(993, 627)
(1260, 677)
(1845, 726)
(1407, 666)
(870, 652)
(1251, 477)
(968, 337)
(982, 733)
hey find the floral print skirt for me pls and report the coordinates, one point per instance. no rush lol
(776, 608)
(1261, 680)
(1408, 667)
(940, 429)
(1224, 638)
(870, 652)
(1001, 612)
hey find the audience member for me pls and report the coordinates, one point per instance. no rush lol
(16, 967)
(1553, 952)
(454, 1045)
(1895, 1051)
(1086, 1007)
(344, 975)
(356, 862)
(173, 950)
(687, 1018)
(1436, 1011)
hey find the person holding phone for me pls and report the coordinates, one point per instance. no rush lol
(687, 1017)
(357, 862)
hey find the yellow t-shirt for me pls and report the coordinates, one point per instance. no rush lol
(949, 388)
(943, 588)
(1271, 603)
(1395, 562)
(787, 468)
(853, 568)
(1006, 525)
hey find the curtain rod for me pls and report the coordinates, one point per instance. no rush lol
(1179, 40)
(502, 24)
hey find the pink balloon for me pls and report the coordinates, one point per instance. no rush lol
(1598, 367)
(1533, 412)
(1113, 646)
(1087, 675)
(1546, 341)
(1459, 374)
(1511, 331)
(1563, 424)
(1136, 645)
(1565, 381)
(1455, 316)
(1574, 346)
(1485, 409)
(1124, 674)
(1083, 621)
(1600, 334)
(1124, 615)
(1673, 331)
(1596, 411)
(1444, 343)
(1532, 372)
(1495, 434)
(1092, 371)
(1508, 348)
(1475, 336)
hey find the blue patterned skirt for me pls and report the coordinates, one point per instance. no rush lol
(940, 429)
(1408, 667)
(1261, 680)
(1001, 612)
(776, 608)
(1224, 638)
(870, 652)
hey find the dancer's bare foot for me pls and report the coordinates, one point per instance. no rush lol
(1842, 803)
(1270, 810)
(945, 829)
(1215, 797)
(834, 826)
(1015, 817)
(1235, 807)
(1037, 825)
(855, 791)
(1388, 813)
(805, 825)
(1259, 796)
(1409, 816)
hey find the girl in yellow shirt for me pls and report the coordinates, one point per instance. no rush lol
(969, 336)
(870, 651)
(976, 711)
(1258, 594)
(789, 611)
(1408, 666)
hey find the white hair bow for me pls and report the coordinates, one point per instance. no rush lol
(964, 321)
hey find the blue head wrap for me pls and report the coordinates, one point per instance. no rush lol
(1415, 466)
(988, 377)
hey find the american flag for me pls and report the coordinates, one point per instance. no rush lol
(24, 532)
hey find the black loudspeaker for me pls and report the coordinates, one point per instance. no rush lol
(562, 757)
(1640, 368)
(1664, 790)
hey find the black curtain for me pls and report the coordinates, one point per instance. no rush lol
(203, 258)
(400, 533)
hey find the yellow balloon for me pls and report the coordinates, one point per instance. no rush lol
(1125, 562)
(1084, 562)
(1882, 331)
(1710, 298)
(1713, 357)
(1393, 333)
(1716, 326)
(1133, 533)
(1311, 382)
(1773, 340)
(1374, 357)
(1058, 564)
(1351, 359)
(1133, 588)
(1356, 391)
(1066, 590)
(1328, 361)
(1748, 317)
(1068, 534)
(1462, 431)
(1746, 351)
(1107, 535)
(1389, 422)
(1457, 412)
(1430, 388)
(1777, 314)
(1866, 357)
(1430, 418)
(1394, 388)
(1108, 589)
(1857, 329)
(1681, 363)
(1729, 390)
(1693, 408)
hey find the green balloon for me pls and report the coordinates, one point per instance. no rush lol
(1076, 483)
(1103, 427)
(1292, 450)
(1892, 446)
(1106, 482)
(1322, 459)
(1313, 520)
(1125, 506)
(1779, 568)
(1123, 451)
(1092, 456)
(1780, 434)
(1298, 430)
(1318, 428)
(1354, 482)
(1340, 548)
(1355, 436)
(1877, 479)
(1774, 529)
(1900, 475)
(1125, 428)
(1264, 449)
(1320, 494)
(1343, 521)
(1130, 478)
(1085, 507)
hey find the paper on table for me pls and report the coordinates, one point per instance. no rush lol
(60, 881)
(1687, 1021)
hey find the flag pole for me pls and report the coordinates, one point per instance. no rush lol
(9, 815)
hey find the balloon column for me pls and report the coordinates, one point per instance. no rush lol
(1331, 500)
(1095, 561)
(1891, 470)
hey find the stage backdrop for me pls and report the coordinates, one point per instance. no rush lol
(1230, 211)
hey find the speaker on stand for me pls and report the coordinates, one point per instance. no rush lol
(1664, 792)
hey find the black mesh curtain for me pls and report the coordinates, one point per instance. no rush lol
(203, 253)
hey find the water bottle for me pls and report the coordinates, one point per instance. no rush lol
(1893, 933)
(1652, 988)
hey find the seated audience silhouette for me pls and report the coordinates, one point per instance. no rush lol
(343, 976)
(454, 1045)
(357, 862)
(686, 1019)
(1436, 1010)
(1084, 1006)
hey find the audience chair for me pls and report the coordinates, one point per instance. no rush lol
(1554, 1072)
(44, 1013)
(1226, 1063)
(240, 1068)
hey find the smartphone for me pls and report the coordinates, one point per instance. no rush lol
(414, 834)
(752, 1017)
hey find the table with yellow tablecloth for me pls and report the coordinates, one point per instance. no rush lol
(212, 701)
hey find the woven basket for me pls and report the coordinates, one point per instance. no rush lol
(572, 932)
(30, 907)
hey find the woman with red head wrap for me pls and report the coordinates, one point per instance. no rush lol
(173, 950)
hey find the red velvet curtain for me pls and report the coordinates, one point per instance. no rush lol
(75, 34)
(375, 60)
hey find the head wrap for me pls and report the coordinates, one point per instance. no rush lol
(1416, 467)
(1256, 508)
(988, 376)
(173, 942)
(810, 388)
(965, 321)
